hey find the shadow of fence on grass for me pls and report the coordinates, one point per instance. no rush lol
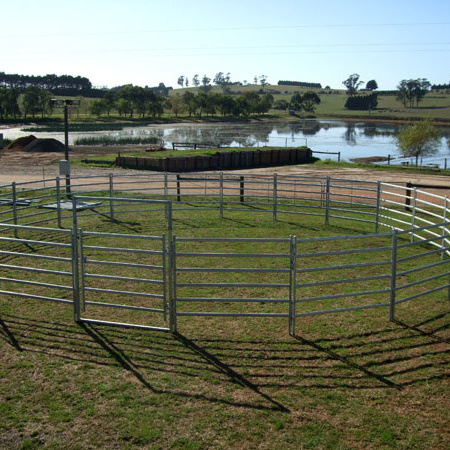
(265, 373)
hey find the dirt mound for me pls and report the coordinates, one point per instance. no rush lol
(44, 145)
(20, 143)
(33, 144)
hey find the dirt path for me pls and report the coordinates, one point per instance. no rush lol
(21, 166)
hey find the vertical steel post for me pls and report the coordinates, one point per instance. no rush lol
(275, 196)
(377, 219)
(58, 200)
(111, 197)
(327, 202)
(66, 143)
(169, 220)
(444, 228)
(14, 205)
(82, 277)
(241, 189)
(172, 285)
(221, 194)
(166, 188)
(393, 276)
(413, 216)
(164, 275)
(292, 283)
(75, 276)
(75, 263)
(178, 188)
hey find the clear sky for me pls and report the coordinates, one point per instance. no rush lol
(145, 42)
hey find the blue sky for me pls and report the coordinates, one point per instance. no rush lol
(145, 42)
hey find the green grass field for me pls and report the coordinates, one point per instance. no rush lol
(349, 380)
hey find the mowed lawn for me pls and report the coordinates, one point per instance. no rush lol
(348, 380)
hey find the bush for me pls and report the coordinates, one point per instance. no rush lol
(362, 102)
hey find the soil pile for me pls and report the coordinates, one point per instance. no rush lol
(33, 144)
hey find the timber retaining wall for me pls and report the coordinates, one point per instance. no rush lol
(220, 161)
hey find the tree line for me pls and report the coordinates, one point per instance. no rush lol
(145, 102)
(440, 87)
(300, 84)
(220, 79)
(131, 101)
(48, 82)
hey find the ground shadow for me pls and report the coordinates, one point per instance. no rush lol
(270, 370)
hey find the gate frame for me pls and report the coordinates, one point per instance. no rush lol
(78, 264)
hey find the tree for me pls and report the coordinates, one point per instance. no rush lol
(352, 84)
(124, 107)
(155, 105)
(180, 80)
(201, 100)
(11, 103)
(281, 105)
(410, 91)
(97, 108)
(362, 102)
(403, 92)
(195, 81)
(309, 101)
(265, 103)
(190, 102)
(418, 140)
(297, 101)
(306, 102)
(211, 103)
(31, 101)
(3, 97)
(421, 87)
(243, 106)
(226, 104)
(109, 101)
(372, 85)
(176, 103)
(223, 81)
(44, 102)
(263, 81)
(206, 84)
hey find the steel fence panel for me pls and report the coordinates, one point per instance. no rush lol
(421, 215)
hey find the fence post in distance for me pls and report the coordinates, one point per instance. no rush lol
(58, 200)
(14, 205)
(111, 196)
(221, 194)
(327, 202)
(377, 219)
(275, 196)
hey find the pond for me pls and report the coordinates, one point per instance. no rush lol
(332, 138)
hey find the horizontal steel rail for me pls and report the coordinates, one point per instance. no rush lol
(35, 269)
(36, 297)
(121, 306)
(35, 283)
(337, 310)
(122, 264)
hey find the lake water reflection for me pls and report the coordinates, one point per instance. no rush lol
(353, 139)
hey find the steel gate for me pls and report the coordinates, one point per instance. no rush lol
(123, 280)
